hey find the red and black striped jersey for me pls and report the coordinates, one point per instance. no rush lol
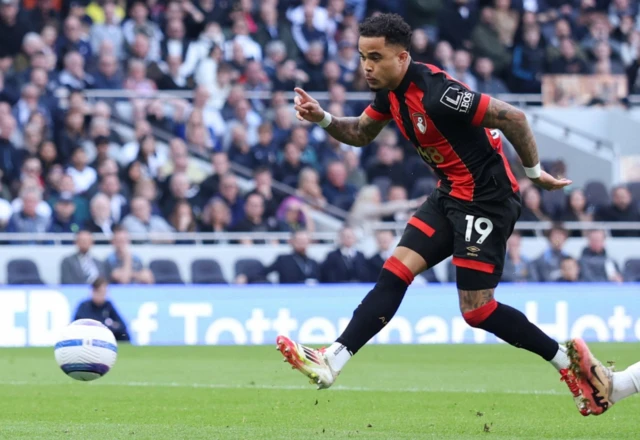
(441, 117)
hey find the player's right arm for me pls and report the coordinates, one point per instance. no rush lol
(354, 131)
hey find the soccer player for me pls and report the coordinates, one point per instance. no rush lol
(470, 215)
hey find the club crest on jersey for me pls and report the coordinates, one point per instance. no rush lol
(420, 121)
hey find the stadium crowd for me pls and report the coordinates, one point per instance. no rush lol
(66, 168)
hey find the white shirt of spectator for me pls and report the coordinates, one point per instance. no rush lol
(82, 179)
(320, 17)
(43, 209)
(5, 211)
(250, 48)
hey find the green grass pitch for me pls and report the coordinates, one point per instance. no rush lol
(386, 392)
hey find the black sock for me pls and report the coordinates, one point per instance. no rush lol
(378, 307)
(513, 327)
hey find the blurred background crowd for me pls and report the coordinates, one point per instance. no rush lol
(75, 157)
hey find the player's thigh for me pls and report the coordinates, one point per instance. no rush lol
(428, 237)
(480, 238)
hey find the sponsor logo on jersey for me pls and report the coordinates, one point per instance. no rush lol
(420, 121)
(457, 99)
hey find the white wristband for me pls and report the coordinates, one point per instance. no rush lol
(326, 120)
(533, 172)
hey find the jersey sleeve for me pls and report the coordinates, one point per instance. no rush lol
(454, 100)
(380, 108)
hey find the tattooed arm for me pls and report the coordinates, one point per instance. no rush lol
(355, 131)
(513, 123)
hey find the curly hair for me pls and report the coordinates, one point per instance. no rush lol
(390, 26)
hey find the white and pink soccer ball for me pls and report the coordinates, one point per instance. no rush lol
(86, 350)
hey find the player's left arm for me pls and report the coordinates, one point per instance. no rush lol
(513, 123)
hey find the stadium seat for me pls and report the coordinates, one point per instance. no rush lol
(596, 194)
(23, 271)
(165, 272)
(554, 202)
(253, 269)
(206, 271)
(632, 270)
(634, 188)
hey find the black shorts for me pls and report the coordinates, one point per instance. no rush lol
(475, 233)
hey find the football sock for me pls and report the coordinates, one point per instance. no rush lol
(337, 355)
(513, 327)
(378, 307)
(626, 383)
(561, 360)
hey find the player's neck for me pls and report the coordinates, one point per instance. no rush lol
(405, 69)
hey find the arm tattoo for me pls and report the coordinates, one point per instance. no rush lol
(473, 299)
(513, 123)
(355, 131)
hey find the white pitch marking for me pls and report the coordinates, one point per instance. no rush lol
(288, 387)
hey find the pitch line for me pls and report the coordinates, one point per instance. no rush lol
(287, 387)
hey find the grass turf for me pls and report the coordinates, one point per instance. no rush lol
(386, 392)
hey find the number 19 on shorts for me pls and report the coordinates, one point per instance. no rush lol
(482, 225)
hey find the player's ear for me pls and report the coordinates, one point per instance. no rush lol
(403, 56)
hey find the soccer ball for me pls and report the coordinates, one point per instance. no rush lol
(86, 350)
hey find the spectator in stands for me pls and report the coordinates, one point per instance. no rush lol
(336, 189)
(532, 210)
(345, 264)
(64, 219)
(263, 180)
(528, 63)
(387, 165)
(295, 216)
(140, 23)
(123, 267)
(29, 104)
(622, 209)
(604, 63)
(101, 221)
(141, 221)
(81, 267)
(108, 75)
(547, 265)
(110, 187)
(240, 150)
(13, 28)
(100, 309)
(385, 241)
(487, 82)
(74, 75)
(596, 265)
(27, 220)
(10, 157)
(272, 29)
(230, 194)
(486, 40)
(517, 267)
(309, 188)
(568, 61)
(183, 220)
(576, 210)
(460, 71)
(291, 165)
(211, 185)
(83, 175)
(297, 267)
(264, 153)
(71, 41)
(216, 217)
(369, 208)
(570, 271)
(110, 30)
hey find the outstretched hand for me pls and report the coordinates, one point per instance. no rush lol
(307, 108)
(550, 183)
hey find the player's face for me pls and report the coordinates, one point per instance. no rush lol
(382, 63)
